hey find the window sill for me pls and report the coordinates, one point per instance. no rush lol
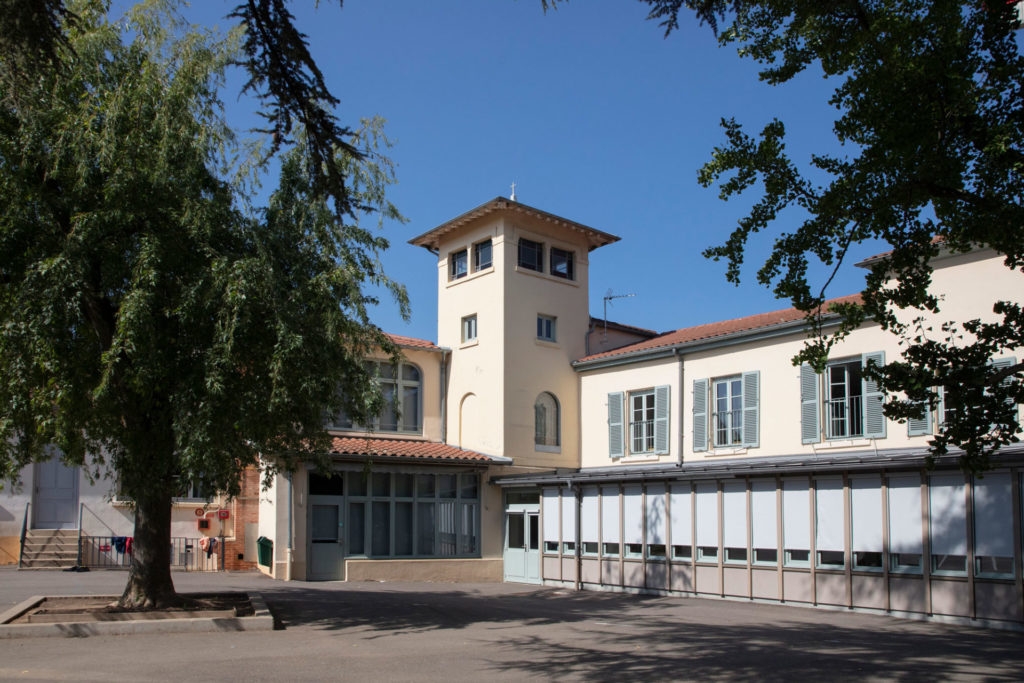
(547, 449)
(645, 457)
(470, 344)
(546, 276)
(547, 342)
(842, 443)
(362, 433)
(469, 277)
(742, 450)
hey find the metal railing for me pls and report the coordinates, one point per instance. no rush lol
(115, 552)
(24, 531)
(845, 417)
(642, 433)
(728, 426)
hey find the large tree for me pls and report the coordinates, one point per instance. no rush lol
(930, 118)
(153, 323)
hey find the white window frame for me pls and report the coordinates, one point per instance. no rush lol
(469, 328)
(477, 266)
(733, 417)
(644, 426)
(547, 328)
(460, 256)
(845, 412)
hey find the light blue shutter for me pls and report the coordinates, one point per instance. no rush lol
(874, 418)
(999, 364)
(751, 407)
(918, 426)
(941, 408)
(810, 430)
(615, 440)
(700, 415)
(661, 396)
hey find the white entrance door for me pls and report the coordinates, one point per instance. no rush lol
(522, 542)
(326, 538)
(55, 495)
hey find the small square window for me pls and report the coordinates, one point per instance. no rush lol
(766, 556)
(546, 327)
(531, 255)
(656, 551)
(682, 552)
(482, 255)
(831, 559)
(562, 263)
(905, 562)
(610, 548)
(469, 328)
(458, 264)
(707, 553)
(736, 555)
(551, 546)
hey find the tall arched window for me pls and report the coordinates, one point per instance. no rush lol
(546, 421)
(400, 387)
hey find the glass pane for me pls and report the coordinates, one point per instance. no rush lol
(468, 486)
(522, 497)
(425, 528)
(325, 524)
(403, 528)
(381, 484)
(425, 485)
(411, 409)
(387, 371)
(534, 532)
(516, 531)
(447, 484)
(320, 485)
(356, 484)
(403, 485)
(447, 536)
(356, 528)
(468, 529)
(389, 413)
(381, 528)
(410, 373)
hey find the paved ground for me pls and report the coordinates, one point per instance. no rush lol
(457, 632)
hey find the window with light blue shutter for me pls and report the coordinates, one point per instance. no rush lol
(700, 415)
(751, 408)
(874, 418)
(616, 440)
(661, 401)
(922, 424)
(810, 428)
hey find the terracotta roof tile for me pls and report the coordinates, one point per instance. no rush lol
(413, 343)
(403, 448)
(719, 329)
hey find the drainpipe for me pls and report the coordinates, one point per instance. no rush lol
(579, 541)
(682, 392)
(444, 395)
(288, 565)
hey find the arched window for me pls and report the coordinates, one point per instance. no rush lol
(400, 386)
(546, 421)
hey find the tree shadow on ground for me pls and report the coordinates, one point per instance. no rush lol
(551, 633)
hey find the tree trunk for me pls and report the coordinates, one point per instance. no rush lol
(149, 579)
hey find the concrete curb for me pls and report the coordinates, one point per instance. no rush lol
(260, 620)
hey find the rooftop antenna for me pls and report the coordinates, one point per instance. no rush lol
(607, 298)
(513, 197)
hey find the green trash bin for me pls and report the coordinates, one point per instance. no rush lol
(264, 550)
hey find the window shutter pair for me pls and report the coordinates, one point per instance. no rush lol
(617, 422)
(810, 401)
(751, 411)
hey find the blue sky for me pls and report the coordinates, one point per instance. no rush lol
(589, 109)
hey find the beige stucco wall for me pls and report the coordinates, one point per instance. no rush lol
(969, 285)
(495, 381)
(595, 385)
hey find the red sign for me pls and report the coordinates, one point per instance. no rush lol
(199, 512)
(222, 514)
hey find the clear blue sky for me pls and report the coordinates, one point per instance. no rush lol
(589, 109)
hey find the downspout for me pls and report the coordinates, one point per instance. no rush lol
(444, 395)
(288, 565)
(682, 392)
(579, 530)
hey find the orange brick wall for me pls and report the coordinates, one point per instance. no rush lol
(245, 508)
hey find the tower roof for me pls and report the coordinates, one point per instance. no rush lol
(432, 238)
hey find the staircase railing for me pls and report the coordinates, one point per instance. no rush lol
(24, 530)
(78, 558)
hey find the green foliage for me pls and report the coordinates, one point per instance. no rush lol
(930, 99)
(147, 322)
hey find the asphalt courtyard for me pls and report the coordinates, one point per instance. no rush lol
(470, 632)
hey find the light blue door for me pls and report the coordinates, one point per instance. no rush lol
(55, 495)
(326, 538)
(522, 541)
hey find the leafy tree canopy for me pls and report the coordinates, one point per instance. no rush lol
(930, 102)
(149, 322)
